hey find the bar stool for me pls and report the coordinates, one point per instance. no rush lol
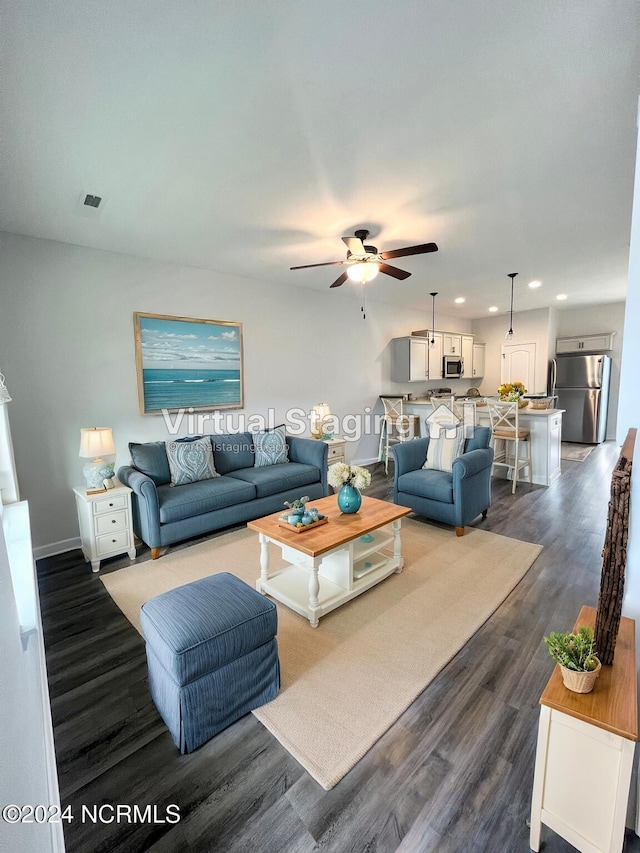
(506, 429)
(395, 427)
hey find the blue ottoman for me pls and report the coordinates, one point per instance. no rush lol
(212, 655)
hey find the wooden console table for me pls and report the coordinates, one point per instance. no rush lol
(585, 752)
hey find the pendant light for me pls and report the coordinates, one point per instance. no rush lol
(511, 334)
(433, 295)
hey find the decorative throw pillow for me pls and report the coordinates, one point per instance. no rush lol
(444, 448)
(271, 447)
(190, 461)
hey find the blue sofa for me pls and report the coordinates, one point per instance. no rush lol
(453, 498)
(165, 514)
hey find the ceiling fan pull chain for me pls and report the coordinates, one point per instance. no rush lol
(363, 296)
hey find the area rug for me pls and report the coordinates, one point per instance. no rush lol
(574, 452)
(345, 682)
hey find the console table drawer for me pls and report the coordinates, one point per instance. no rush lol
(109, 523)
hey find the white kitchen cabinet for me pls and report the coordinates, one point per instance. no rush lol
(466, 349)
(451, 344)
(478, 360)
(410, 359)
(545, 431)
(585, 343)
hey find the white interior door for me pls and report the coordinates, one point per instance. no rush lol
(519, 364)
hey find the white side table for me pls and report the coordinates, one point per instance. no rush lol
(105, 522)
(336, 450)
(585, 752)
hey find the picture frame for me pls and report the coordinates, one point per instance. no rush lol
(188, 363)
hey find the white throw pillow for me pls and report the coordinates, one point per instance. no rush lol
(444, 448)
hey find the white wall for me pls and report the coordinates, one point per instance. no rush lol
(629, 406)
(595, 319)
(67, 350)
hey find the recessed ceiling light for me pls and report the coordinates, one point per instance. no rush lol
(534, 284)
(459, 300)
(561, 297)
(493, 309)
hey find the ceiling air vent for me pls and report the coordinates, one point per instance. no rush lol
(88, 204)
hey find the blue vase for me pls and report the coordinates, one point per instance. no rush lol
(349, 498)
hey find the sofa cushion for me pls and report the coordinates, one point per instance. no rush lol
(233, 451)
(278, 478)
(271, 447)
(190, 461)
(150, 458)
(179, 502)
(428, 483)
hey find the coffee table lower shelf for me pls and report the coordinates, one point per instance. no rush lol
(291, 586)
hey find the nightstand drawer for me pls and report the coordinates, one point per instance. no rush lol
(337, 451)
(109, 504)
(108, 523)
(116, 543)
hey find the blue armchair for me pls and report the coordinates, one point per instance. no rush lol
(453, 498)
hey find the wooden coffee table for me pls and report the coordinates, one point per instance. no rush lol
(333, 563)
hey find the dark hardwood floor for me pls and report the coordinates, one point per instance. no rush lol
(453, 774)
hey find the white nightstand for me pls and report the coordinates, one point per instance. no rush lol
(105, 524)
(336, 450)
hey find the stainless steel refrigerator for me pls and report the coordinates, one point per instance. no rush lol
(582, 389)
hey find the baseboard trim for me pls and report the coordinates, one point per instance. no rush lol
(371, 461)
(54, 548)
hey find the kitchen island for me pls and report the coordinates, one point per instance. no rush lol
(544, 425)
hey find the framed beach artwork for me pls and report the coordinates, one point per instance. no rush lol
(184, 363)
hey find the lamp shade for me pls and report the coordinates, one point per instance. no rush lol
(318, 413)
(96, 442)
(363, 272)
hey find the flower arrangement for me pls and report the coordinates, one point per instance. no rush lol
(342, 474)
(511, 391)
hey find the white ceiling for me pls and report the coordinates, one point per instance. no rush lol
(248, 136)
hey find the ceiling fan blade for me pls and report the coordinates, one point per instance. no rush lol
(340, 281)
(394, 271)
(355, 245)
(308, 266)
(409, 250)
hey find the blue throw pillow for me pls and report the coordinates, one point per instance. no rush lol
(271, 447)
(150, 458)
(190, 461)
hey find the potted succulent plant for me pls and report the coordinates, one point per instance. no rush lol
(575, 653)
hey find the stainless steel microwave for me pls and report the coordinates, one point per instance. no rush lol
(452, 367)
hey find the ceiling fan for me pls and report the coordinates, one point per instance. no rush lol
(365, 262)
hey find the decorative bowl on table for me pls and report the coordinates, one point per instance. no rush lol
(540, 403)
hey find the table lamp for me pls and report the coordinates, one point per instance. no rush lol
(95, 444)
(318, 413)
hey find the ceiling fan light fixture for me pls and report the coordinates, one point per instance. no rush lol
(363, 272)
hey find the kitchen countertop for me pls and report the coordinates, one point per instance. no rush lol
(541, 413)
